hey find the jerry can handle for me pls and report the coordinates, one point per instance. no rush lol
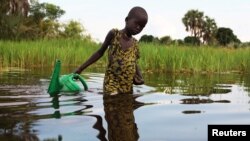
(82, 81)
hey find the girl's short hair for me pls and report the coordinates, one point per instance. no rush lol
(137, 10)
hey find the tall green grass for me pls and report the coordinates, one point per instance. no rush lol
(153, 57)
(194, 59)
(43, 53)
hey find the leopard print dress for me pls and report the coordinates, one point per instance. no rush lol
(121, 66)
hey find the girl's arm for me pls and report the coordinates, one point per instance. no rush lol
(138, 71)
(138, 79)
(98, 54)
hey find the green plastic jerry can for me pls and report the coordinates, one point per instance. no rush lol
(64, 83)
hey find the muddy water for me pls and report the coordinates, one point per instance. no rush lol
(168, 107)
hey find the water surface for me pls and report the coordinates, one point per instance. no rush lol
(168, 107)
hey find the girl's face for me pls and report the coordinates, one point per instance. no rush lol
(135, 24)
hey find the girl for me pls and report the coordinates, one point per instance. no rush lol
(123, 52)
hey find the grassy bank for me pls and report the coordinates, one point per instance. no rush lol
(195, 59)
(43, 53)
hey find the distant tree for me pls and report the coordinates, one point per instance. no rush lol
(17, 7)
(29, 19)
(165, 40)
(193, 21)
(147, 38)
(225, 36)
(12, 13)
(73, 29)
(192, 40)
(45, 11)
(200, 26)
(50, 29)
(246, 44)
(177, 42)
(209, 30)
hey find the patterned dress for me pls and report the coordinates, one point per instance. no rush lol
(121, 66)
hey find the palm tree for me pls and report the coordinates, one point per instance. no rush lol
(12, 15)
(202, 28)
(17, 7)
(193, 22)
(209, 30)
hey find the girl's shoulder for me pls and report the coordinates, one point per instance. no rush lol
(116, 33)
(115, 29)
(112, 34)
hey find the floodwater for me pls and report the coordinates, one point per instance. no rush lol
(167, 108)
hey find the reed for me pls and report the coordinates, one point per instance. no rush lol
(194, 59)
(153, 57)
(43, 53)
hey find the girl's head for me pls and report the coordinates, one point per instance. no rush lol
(136, 20)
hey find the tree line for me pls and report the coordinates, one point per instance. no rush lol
(29, 19)
(24, 19)
(203, 30)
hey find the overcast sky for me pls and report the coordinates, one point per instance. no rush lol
(165, 16)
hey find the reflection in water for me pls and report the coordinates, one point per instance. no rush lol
(202, 101)
(55, 102)
(28, 113)
(118, 115)
(15, 128)
(196, 84)
(120, 118)
(245, 81)
(56, 105)
(99, 126)
(191, 112)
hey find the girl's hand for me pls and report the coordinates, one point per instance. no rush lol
(138, 80)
